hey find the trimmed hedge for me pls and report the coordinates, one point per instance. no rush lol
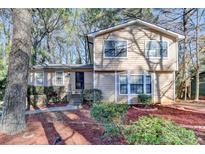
(153, 130)
(90, 96)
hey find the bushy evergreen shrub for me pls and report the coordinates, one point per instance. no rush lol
(153, 130)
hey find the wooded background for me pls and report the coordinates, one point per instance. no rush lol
(58, 36)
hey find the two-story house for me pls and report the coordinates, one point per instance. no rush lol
(129, 59)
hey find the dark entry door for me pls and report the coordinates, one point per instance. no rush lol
(79, 80)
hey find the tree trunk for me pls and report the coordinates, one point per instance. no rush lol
(13, 116)
(185, 21)
(197, 57)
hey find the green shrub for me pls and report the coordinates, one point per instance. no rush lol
(144, 99)
(91, 96)
(108, 113)
(2, 88)
(52, 94)
(154, 130)
(112, 132)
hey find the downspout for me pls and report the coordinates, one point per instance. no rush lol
(90, 59)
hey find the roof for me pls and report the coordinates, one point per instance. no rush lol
(147, 24)
(63, 66)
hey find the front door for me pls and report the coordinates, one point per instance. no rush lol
(79, 80)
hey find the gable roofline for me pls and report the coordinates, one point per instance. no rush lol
(150, 25)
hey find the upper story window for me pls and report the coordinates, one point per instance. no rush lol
(115, 49)
(39, 78)
(156, 49)
(59, 78)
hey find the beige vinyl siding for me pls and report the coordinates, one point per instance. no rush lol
(88, 80)
(106, 83)
(136, 37)
(164, 87)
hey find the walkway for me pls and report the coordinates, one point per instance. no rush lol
(55, 109)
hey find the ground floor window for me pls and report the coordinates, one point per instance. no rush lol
(123, 84)
(135, 84)
(59, 78)
(39, 78)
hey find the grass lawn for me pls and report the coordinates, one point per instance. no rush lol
(77, 127)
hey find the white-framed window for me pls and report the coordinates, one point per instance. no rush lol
(123, 79)
(135, 84)
(115, 49)
(59, 78)
(39, 78)
(156, 49)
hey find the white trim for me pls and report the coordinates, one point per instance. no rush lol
(128, 90)
(56, 76)
(104, 57)
(174, 87)
(177, 55)
(115, 87)
(155, 27)
(153, 81)
(94, 63)
(144, 83)
(35, 84)
(152, 58)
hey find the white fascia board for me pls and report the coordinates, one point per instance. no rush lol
(155, 27)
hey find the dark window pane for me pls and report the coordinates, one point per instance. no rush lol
(109, 52)
(133, 89)
(148, 88)
(79, 80)
(164, 52)
(156, 49)
(121, 49)
(123, 79)
(115, 48)
(136, 88)
(148, 79)
(109, 44)
(140, 89)
(136, 79)
(123, 89)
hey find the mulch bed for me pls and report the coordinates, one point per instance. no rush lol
(72, 127)
(77, 127)
(179, 116)
(184, 118)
